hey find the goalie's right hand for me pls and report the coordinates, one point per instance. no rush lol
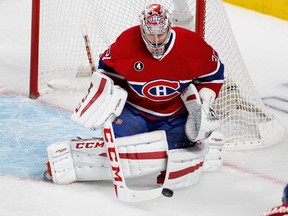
(202, 120)
(103, 101)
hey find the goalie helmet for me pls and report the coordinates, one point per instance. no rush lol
(155, 24)
(285, 195)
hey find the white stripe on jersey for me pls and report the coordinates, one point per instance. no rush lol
(112, 74)
(212, 73)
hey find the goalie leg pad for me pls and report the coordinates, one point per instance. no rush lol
(143, 154)
(184, 167)
(78, 160)
(86, 160)
(104, 100)
(89, 157)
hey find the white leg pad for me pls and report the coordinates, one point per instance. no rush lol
(184, 167)
(214, 158)
(85, 160)
(143, 154)
(90, 162)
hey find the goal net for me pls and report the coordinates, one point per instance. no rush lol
(59, 60)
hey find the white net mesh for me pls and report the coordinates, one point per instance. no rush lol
(62, 53)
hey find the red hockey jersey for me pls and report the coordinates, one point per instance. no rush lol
(154, 86)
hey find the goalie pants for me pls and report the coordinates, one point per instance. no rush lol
(131, 122)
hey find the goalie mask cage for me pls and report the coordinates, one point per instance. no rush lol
(58, 54)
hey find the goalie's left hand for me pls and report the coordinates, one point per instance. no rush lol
(202, 119)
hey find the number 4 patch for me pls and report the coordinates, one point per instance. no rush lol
(138, 66)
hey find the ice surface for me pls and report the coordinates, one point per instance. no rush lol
(249, 183)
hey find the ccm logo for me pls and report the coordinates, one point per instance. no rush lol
(112, 154)
(89, 145)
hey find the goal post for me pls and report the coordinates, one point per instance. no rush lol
(59, 59)
(200, 18)
(34, 51)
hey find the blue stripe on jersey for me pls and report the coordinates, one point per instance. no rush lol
(103, 66)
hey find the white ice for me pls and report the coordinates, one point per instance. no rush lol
(249, 183)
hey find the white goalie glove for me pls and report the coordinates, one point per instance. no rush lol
(202, 120)
(104, 101)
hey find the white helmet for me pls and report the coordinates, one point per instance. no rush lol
(155, 19)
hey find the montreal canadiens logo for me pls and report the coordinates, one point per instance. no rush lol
(160, 90)
(155, 19)
(138, 66)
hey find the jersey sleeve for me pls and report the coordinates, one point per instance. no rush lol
(114, 60)
(211, 70)
(107, 65)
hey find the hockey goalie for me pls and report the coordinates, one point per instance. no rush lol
(152, 98)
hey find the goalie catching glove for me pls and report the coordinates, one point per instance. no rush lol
(202, 120)
(103, 101)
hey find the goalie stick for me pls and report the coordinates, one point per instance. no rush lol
(88, 48)
(123, 193)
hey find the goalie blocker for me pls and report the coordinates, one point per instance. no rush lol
(104, 101)
(143, 154)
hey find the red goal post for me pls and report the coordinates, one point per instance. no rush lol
(59, 61)
(34, 53)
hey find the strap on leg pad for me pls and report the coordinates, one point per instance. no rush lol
(214, 158)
